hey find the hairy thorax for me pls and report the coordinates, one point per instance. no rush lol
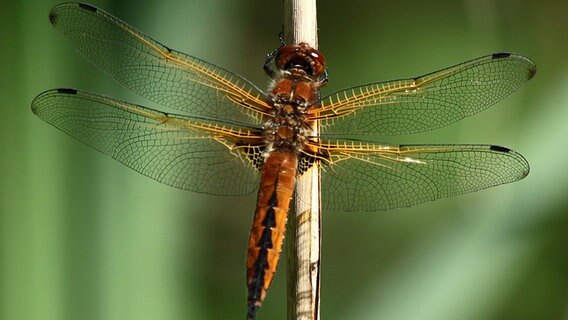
(292, 93)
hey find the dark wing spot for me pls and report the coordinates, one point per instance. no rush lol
(531, 73)
(501, 55)
(53, 18)
(500, 149)
(66, 91)
(88, 7)
(305, 162)
(251, 150)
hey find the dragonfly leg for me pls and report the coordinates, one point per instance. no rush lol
(270, 57)
(324, 78)
(267, 68)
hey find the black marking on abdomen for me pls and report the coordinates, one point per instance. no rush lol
(261, 263)
(500, 149)
(251, 312)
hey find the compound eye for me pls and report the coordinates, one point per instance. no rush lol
(285, 55)
(318, 62)
(301, 56)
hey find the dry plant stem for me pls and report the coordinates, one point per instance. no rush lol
(304, 224)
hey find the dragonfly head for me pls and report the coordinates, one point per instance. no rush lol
(301, 57)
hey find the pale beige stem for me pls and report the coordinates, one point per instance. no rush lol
(304, 224)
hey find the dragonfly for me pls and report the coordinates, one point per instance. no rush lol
(231, 138)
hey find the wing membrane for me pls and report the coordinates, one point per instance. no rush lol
(154, 71)
(188, 153)
(361, 176)
(427, 102)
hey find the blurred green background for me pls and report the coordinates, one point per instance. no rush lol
(83, 237)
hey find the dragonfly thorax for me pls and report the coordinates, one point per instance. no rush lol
(287, 127)
(292, 94)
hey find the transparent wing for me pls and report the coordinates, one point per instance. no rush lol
(359, 176)
(188, 153)
(424, 103)
(156, 72)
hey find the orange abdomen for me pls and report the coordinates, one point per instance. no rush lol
(269, 223)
